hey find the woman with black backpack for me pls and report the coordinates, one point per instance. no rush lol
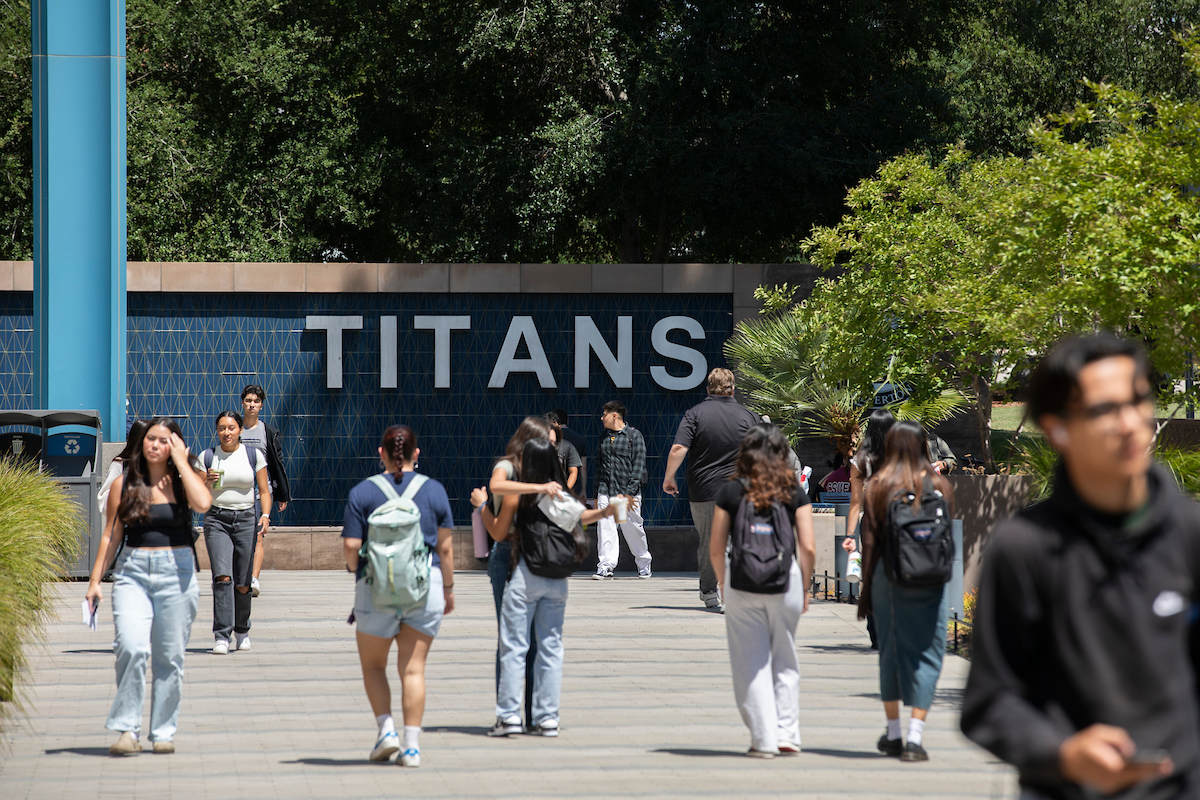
(766, 518)
(910, 621)
(544, 553)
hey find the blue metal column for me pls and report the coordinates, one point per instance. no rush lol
(79, 207)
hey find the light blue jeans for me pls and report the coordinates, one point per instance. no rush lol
(531, 600)
(155, 597)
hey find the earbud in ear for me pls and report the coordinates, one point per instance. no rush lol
(1060, 436)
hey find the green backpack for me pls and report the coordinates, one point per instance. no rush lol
(398, 559)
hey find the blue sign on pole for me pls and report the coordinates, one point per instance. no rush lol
(78, 52)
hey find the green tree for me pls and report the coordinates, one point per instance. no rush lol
(16, 132)
(955, 270)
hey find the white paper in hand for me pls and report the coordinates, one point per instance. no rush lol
(562, 509)
(89, 616)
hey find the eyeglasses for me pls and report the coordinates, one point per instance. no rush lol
(1108, 415)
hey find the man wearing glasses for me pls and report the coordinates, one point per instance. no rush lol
(1082, 671)
(620, 470)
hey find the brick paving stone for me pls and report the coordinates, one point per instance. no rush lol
(647, 709)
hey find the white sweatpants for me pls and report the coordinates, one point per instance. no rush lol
(761, 630)
(635, 536)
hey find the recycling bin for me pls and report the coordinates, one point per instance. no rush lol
(65, 444)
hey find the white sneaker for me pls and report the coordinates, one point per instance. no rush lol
(221, 648)
(505, 727)
(241, 641)
(409, 758)
(712, 600)
(254, 587)
(645, 574)
(387, 745)
(603, 575)
(547, 727)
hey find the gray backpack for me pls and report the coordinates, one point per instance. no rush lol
(397, 558)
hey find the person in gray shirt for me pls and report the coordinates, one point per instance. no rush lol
(709, 437)
(256, 433)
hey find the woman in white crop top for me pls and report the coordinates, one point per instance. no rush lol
(235, 473)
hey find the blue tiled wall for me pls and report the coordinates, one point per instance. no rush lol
(190, 355)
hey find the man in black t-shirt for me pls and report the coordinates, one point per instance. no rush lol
(709, 437)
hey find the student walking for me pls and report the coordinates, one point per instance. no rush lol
(237, 477)
(764, 505)
(709, 436)
(910, 622)
(412, 628)
(534, 602)
(507, 490)
(257, 433)
(863, 464)
(155, 593)
(620, 466)
(1083, 669)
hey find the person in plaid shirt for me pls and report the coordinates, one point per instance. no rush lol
(621, 463)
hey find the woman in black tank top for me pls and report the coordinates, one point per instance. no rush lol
(149, 508)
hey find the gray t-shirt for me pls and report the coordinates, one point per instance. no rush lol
(256, 436)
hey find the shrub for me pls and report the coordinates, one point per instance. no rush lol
(39, 537)
(1036, 458)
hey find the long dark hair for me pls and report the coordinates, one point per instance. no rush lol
(540, 464)
(135, 487)
(905, 463)
(762, 461)
(133, 440)
(400, 443)
(530, 429)
(878, 425)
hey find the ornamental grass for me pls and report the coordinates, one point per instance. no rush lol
(39, 537)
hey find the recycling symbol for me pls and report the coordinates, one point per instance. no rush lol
(71, 446)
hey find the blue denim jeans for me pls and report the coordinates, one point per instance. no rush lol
(155, 597)
(498, 573)
(531, 601)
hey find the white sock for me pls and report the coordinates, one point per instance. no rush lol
(893, 731)
(411, 732)
(386, 725)
(916, 727)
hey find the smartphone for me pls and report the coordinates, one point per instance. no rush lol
(1150, 757)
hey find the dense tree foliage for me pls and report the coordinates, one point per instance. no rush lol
(574, 130)
(954, 270)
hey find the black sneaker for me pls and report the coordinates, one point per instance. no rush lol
(890, 747)
(505, 727)
(914, 752)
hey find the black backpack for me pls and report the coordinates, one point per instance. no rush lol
(548, 550)
(918, 546)
(762, 549)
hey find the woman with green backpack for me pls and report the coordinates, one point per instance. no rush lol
(397, 537)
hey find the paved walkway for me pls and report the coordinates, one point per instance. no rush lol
(647, 710)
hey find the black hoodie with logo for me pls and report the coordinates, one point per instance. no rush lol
(1087, 618)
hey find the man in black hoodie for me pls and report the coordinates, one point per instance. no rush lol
(1083, 674)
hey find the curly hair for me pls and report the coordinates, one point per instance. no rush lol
(762, 462)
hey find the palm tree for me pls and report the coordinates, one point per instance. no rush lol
(778, 361)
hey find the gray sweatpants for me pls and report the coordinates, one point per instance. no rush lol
(229, 538)
(761, 630)
(702, 518)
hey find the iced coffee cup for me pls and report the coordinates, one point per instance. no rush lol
(621, 504)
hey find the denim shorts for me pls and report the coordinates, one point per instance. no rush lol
(386, 623)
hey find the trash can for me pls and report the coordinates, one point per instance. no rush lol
(65, 444)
